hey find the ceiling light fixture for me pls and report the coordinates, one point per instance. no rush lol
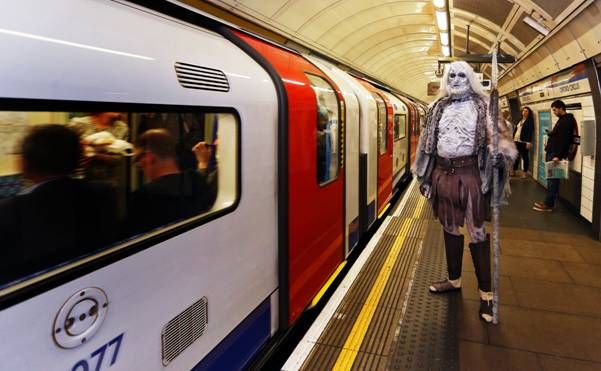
(441, 20)
(446, 51)
(536, 25)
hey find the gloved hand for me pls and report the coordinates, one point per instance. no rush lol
(426, 190)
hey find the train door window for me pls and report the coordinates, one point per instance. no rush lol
(95, 181)
(382, 114)
(328, 130)
(400, 126)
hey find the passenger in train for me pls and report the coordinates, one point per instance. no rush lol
(171, 194)
(454, 168)
(523, 140)
(104, 137)
(186, 128)
(56, 218)
(323, 146)
(558, 145)
(96, 122)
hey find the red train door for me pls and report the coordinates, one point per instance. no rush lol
(315, 175)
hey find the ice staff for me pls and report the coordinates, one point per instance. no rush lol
(494, 114)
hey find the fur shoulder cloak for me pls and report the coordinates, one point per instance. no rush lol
(425, 156)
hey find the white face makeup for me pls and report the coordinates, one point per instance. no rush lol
(458, 80)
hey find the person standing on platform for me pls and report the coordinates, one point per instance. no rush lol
(557, 149)
(523, 140)
(454, 167)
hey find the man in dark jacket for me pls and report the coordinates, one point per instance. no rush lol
(171, 194)
(558, 145)
(57, 218)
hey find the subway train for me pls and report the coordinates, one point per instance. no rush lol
(303, 158)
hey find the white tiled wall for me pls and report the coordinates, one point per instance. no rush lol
(588, 186)
(588, 162)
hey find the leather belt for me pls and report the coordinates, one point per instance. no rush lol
(450, 164)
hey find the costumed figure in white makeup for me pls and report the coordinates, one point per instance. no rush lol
(454, 166)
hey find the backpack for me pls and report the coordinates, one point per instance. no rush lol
(573, 150)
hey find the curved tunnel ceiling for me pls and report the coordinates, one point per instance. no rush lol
(397, 41)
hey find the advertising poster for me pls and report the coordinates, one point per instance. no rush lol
(544, 125)
(571, 82)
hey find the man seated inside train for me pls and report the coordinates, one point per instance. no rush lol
(170, 193)
(186, 128)
(56, 217)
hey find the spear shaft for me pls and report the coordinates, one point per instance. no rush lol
(494, 115)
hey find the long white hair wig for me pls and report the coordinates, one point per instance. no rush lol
(464, 67)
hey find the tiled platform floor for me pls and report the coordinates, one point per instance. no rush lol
(550, 313)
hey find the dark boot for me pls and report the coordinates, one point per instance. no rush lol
(453, 246)
(481, 258)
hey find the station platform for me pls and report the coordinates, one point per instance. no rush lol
(382, 316)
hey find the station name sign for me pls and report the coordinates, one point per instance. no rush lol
(571, 82)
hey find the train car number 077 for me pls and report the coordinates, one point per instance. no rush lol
(98, 356)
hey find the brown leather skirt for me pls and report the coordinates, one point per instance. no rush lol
(454, 183)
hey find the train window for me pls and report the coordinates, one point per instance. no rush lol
(328, 136)
(98, 180)
(382, 114)
(400, 126)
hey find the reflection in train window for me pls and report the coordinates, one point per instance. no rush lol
(94, 180)
(382, 116)
(328, 138)
(400, 126)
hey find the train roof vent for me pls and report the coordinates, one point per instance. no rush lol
(179, 333)
(192, 76)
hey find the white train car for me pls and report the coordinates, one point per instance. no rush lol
(141, 303)
(368, 147)
(400, 137)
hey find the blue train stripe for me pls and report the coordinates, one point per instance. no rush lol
(371, 213)
(238, 348)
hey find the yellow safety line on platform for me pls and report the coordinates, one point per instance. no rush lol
(328, 284)
(351, 347)
(384, 210)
